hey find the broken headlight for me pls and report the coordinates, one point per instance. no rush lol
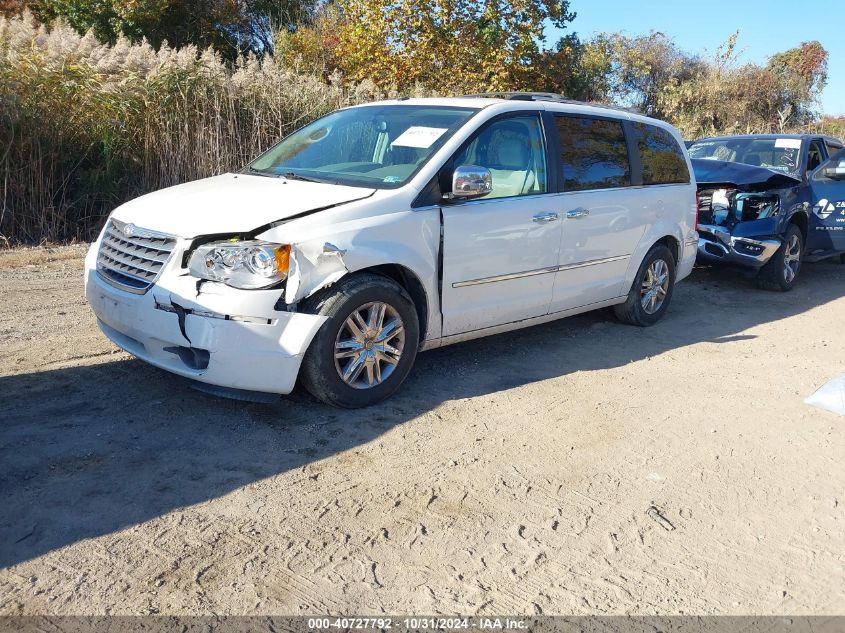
(727, 207)
(250, 265)
(756, 206)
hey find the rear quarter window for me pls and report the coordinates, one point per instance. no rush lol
(662, 158)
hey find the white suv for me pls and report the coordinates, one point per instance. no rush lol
(384, 229)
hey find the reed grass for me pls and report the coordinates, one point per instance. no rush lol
(86, 126)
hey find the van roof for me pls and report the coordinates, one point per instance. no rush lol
(547, 96)
(488, 99)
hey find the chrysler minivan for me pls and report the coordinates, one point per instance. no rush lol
(385, 229)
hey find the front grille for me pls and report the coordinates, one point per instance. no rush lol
(705, 206)
(131, 258)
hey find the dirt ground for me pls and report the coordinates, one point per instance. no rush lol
(510, 475)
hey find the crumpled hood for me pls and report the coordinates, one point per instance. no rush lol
(232, 203)
(720, 172)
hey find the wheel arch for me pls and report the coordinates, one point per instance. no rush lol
(411, 283)
(666, 237)
(672, 243)
(802, 221)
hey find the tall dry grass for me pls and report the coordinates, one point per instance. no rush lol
(86, 126)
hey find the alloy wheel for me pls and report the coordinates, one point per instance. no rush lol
(792, 259)
(655, 286)
(369, 345)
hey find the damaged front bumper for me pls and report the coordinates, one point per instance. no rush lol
(717, 244)
(215, 334)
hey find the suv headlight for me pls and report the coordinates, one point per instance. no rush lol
(250, 265)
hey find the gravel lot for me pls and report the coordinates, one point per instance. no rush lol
(511, 475)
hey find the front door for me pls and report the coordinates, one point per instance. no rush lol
(500, 252)
(827, 220)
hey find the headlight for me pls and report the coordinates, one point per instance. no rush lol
(756, 206)
(248, 265)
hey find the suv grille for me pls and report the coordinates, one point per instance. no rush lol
(131, 258)
(705, 206)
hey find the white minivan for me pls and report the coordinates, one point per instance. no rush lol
(385, 229)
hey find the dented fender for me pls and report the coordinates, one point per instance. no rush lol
(312, 268)
(323, 252)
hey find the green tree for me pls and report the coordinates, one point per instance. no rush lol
(639, 67)
(231, 27)
(313, 48)
(801, 74)
(724, 96)
(574, 69)
(446, 45)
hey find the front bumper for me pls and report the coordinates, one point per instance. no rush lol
(716, 244)
(216, 334)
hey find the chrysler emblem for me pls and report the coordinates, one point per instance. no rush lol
(133, 230)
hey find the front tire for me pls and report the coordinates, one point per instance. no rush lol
(651, 292)
(782, 269)
(365, 350)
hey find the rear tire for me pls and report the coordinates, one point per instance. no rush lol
(651, 291)
(365, 350)
(781, 271)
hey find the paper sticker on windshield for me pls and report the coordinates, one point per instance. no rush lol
(420, 137)
(790, 143)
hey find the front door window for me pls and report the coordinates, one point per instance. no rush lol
(514, 152)
(814, 156)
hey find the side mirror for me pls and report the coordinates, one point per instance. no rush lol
(471, 181)
(835, 172)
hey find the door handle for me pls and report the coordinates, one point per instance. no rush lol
(543, 218)
(577, 213)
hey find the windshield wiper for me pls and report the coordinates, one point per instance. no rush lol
(288, 175)
(261, 172)
(294, 176)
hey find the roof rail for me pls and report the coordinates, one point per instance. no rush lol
(519, 96)
(545, 96)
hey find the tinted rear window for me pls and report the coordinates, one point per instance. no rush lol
(662, 158)
(593, 153)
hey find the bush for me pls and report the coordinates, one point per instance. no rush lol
(86, 126)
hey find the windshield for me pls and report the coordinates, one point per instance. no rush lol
(780, 154)
(368, 146)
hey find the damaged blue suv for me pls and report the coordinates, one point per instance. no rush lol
(769, 202)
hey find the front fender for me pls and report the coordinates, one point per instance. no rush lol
(322, 255)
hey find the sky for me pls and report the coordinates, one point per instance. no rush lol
(766, 27)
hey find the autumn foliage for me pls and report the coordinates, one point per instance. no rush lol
(103, 100)
(449, 45)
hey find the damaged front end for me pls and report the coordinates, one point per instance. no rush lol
(741, 212)
(730, 228)
(207, 311)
